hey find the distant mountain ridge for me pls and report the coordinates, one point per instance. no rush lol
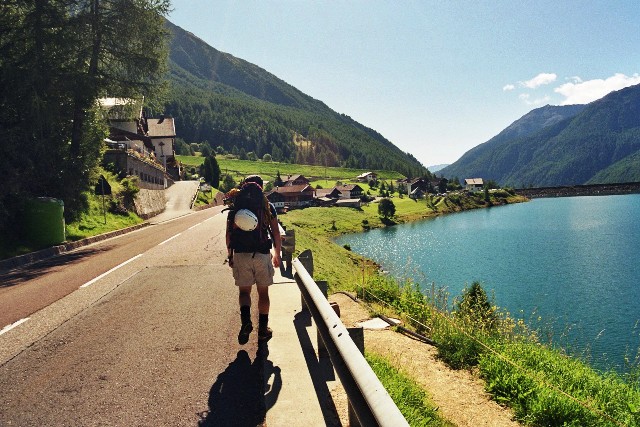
(232, 103)
(596, 143)
(436, 168)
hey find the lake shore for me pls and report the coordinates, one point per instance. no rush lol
(581, 190)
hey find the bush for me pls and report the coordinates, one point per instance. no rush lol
(475, 309)
(129, 191)
(386, 209)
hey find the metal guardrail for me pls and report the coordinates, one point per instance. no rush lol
(369, 399)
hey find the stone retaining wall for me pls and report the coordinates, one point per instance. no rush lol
(149, 203)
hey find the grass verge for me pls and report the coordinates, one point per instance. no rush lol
(414, 403)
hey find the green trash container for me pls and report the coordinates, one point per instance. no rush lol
(44, 221)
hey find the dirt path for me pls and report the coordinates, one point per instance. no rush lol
(459, 395)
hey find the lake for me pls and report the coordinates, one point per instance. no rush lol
(574, 262)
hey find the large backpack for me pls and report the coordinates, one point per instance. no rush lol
(250, 197)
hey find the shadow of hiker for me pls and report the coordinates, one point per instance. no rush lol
(271, 391)
(238, 398)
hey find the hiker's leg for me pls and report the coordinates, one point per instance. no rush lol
(244, 297)
(263, 299)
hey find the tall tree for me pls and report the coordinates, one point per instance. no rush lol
(386, 209)
(210, 171)
(58, 57)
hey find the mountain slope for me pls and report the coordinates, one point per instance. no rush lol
(229, 102)
(583, 141)
(496, 157)
(626, 170)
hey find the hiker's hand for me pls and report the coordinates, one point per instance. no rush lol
(276, 260)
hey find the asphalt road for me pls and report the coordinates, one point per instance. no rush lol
(136, 330)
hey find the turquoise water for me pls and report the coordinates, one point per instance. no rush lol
(572, 261)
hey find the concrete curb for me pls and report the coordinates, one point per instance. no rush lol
(40, 255)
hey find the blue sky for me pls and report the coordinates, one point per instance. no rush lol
(436, 78)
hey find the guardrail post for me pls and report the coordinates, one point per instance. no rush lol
(306, 259)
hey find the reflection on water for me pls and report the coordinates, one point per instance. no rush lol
(569, 260)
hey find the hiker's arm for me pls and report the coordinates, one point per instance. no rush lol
(228, 240)
(277, 241)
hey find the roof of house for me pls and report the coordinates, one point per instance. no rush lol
(322, 192)
(326, 199)
(293, 178)
(349, 187)
(294, 188)
(348, 202)
(473, 181)
(161, 127)
(364, 175)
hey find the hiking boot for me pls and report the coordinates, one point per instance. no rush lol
(264, 334)
(245, 330)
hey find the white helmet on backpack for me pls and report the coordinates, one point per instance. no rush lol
(246, 220)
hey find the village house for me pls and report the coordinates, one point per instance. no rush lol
(350, 191)
(417, 184)
(277, 200)
(326, 197)
(332, 193)
(416, 193)
(348, 203)
(139, 146)
(367, 176)
(296, 195)
(162, 134)
(473, 184)
(295, 180)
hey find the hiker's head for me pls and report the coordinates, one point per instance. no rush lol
(254, 178)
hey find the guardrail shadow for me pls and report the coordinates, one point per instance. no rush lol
(320, 369)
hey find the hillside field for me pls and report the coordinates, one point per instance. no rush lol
(269, 170)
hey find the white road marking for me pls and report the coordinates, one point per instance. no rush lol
(13, 325)
(194, 226)
(91, 282)
(170, 238)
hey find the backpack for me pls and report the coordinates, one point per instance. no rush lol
(251, 197)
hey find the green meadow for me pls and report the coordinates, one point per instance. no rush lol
(269, 170)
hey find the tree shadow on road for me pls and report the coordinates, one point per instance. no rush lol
(241, 394)
(21, 274)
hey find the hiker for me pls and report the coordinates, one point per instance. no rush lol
(252, 230)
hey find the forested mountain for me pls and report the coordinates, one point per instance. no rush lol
(229, 102)
(577, 144)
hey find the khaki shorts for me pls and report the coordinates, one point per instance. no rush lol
(250, 268)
